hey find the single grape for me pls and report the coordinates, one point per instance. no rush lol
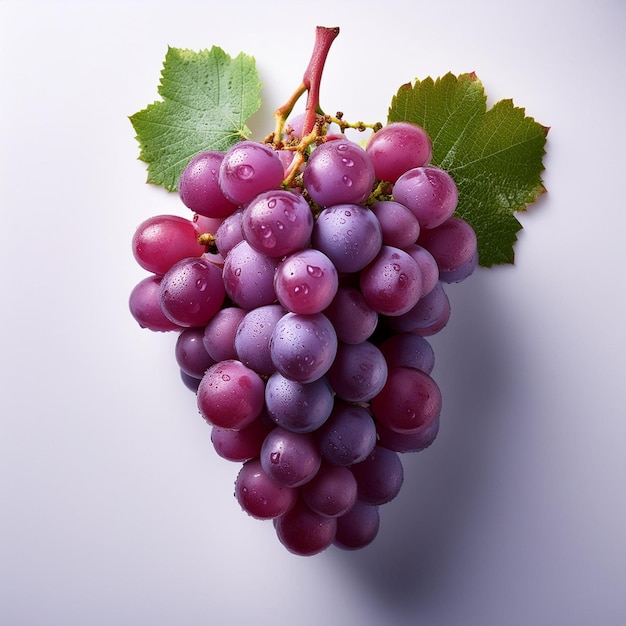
(191, 292)
(427, 317)
(453, 245)
(358, 372)
(348, 234)
(298, 407)
(243, 444)
(408, 350)
(306, 282)
(304, 532)
(408, 442)
(397, 148)
(358, 527)
(278, 222)
(198, 186)
(145, 306)
(190, 353)
(338, 172)
(303, 347)
(409, 400)
(331, 492)
(353, 319)
(253, 336)
(259, 495)
(230, 395)
(229, 232)
(428, 267)
(219, 334)
(249, 276)
(348, 436)
(248, 169)
(379, 477)
(190, 382)
(429, 192)
(291, 459)
(160, 242)
(399, 225)
(392, 283)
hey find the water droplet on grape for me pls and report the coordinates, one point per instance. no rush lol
(301, 290)
(271, 203)
(314, 271)
(275, 457)
(403, 279)
(194, 308)
(244, 172)
(290, 213)
(347, 181)
(225, 377)
(347, 162)
(342, 147)
(348, 213)
(396, 267)
(238, 271)
(280, 225)
(201, 284)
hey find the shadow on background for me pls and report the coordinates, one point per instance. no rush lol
(416, 553)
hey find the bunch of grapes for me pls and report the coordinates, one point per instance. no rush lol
(303, 296)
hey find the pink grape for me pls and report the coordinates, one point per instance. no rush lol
(145, 306)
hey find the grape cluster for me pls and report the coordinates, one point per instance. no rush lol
(303, 312)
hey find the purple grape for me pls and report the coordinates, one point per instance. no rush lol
(427, 317)
(306, 282)
(358, 527)
(198, 186)
(219, 334)
(190, 382)
(291, 459)
(229, 233)
(349, 235)
(379, 477)
(413, 442)
(392, 283)
(358, 372)
(348, 436)
(429, 192)
(259, 495)
(331, 492)
(230, 395)
(160, 242)
(278, 222)
(248, 169)
(399, 225)
(304, 532)
(145, 306)
(354, 320)
(191, 292)
(298, 407)
(397, 148)
(243, 444)
(303, 347)
(408, 350)
(339, 172)
(428, 267)
(190, 353)
(249, 276)
(453, 245)
(409, 400)
(253, 336)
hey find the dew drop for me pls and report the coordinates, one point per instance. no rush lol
(348, 213)
(342, 147)
(201, 284)
(194, 308)
(290, 213)
(225, 377)
(271, 203)
(238, 271)
(313, 270)
(275, 458)
(244, 172)
(403, 279)
(396, 267)
(347, 162)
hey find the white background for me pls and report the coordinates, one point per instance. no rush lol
(115, 510)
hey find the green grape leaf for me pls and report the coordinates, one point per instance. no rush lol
(495, 156)
(207, 98)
